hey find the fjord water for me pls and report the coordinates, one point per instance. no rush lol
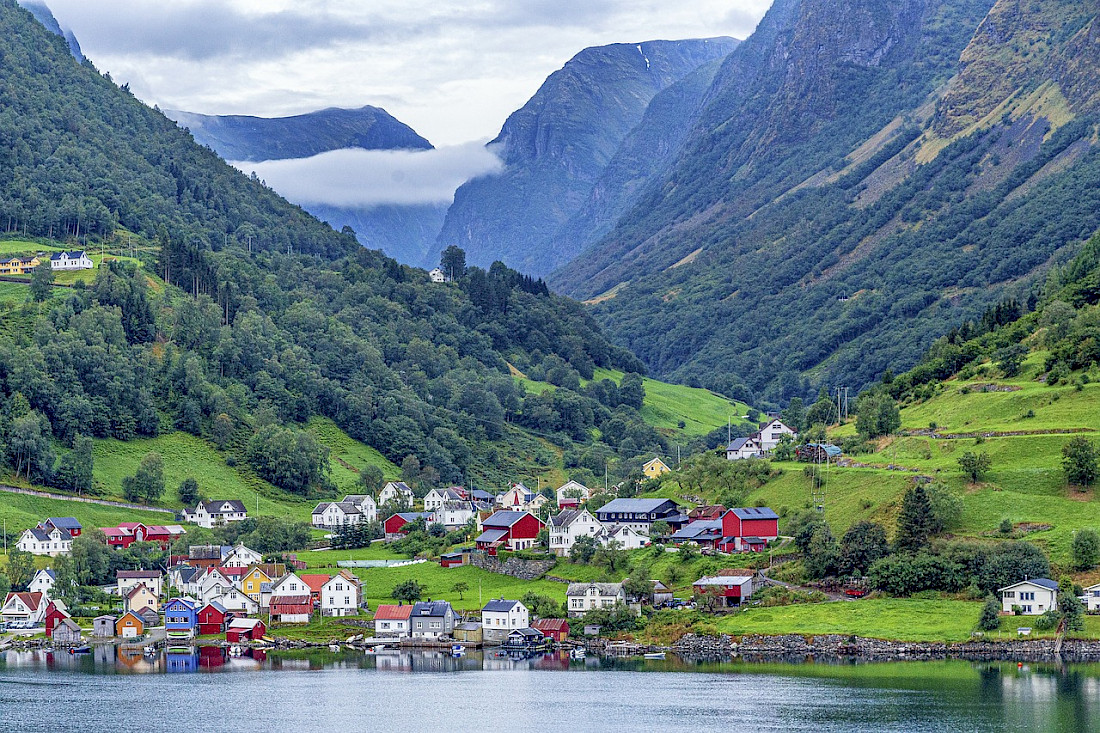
(205, 689)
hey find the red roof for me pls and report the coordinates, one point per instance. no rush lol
(551, 624)
(392, 613)
(291, 605)
(30, 600)
(231, 572)
(314, 581)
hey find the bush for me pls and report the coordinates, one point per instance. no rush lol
(1048, 621)
(990, 619)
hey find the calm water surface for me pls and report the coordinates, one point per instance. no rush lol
(124, 690)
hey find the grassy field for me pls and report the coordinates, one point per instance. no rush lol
(20, 512)
(904, 620)
(438, 584)
(348, 456)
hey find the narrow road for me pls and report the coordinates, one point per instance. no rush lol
(790, 586)
(84, 499)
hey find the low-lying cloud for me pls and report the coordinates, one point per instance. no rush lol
(356, 178)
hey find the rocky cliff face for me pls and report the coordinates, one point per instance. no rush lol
(556, 147)
(45, 16)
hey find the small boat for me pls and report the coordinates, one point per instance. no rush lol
(457, 650)
(81, 650)
(654, 655)
(334, 647)
(149, 651)
(236, 651)
(577, 653)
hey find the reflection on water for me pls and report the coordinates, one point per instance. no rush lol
(433, 689)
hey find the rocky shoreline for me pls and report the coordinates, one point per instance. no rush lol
(837, 647)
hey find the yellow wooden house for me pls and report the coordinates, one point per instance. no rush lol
(18, 265)
(252, 581)
(141, 597)
(655, 468)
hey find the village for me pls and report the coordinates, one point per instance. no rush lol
(235, 597)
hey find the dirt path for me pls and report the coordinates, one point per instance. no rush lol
(84, 500)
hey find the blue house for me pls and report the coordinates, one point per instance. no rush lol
(181, 618)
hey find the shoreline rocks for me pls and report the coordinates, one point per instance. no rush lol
(832, 646)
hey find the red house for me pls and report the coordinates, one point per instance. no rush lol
(244, 629)
(54, 616)
(733, 590)
(212, 618)
(508, 530)
(128, 533)
(395, 525)
(67, 524)
(552, 628)
(749, 529)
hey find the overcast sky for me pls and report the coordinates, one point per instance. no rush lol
(452, 69)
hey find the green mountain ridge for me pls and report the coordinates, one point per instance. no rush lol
(864, 175)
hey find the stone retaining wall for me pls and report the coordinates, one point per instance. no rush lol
(513, 566)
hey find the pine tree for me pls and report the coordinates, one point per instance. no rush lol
(914, 522)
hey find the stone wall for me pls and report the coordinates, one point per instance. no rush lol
(793, 646)
(513, 566)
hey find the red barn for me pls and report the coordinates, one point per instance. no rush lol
(244, 629)
(54, 616)
(212, 618)
(395, 525)
(733, 590)
(127, 533)
(508, 530)
(749, 529)
(552, 628)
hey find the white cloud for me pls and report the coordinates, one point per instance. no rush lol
(364, 178)
(452, 69)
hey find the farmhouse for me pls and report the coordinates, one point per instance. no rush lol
(508, 530)
(210, 514)
(353, 509)
(654, 468)
(572, 494)
(19, 265)
(340, 595)
(42, 582)
(436, 498)
(567, 526)
(640, 513)
(1033, 597)
(626, 536)
(75, 260)
(437, 275)
(771, 432)
(241, 557)
(748, 529)
(583, 597)
(127, 533)
(396, 491)
(43, 540)
(742, 448)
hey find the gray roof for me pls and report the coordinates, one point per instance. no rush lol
(723, 580)
(755, 512)
(565, 518)
(500, 606)
(423, 609)
(503, 518)
(606, 589)
(65, 523)
(1041, 582)
(737, 443)
(214, 507)
(492, 535)
(634, 506)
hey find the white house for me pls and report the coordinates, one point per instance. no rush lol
(340, 595)
(1091, 599)
(437, 275)
(241, 557)
(43, 582)
(583, 597)
(519, 498)
(128, 579)
(571, 494)
(212, 586)
(52, 541)
(770, 432)
(24, 607)
(290, 585)
(368, 508)
(567, 526)
(1033, 597)
(76, 260)
(235, 601)
(627, 536)
(397, 491)
(392, 621)
(436, 498)
(500, 618)
(742, 448)
(455, 514)
(334, 514)
(211, 514)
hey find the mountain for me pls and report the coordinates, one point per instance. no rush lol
(405, 232)
(241, 320)
(45, 16)
(254, 139)
(558, 145)
(862, 175)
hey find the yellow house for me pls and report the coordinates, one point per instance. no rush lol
(18, 265)
(251, 582)
(142, 597)
(655, 468)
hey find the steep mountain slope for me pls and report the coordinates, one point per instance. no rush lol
(405, 232)
(863, 176)
(46, 17)
(245, 138)
(556, 147)
(249, 323)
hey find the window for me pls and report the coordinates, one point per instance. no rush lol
(1010, 594)
(1026, 609)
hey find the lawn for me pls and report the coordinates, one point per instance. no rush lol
(329, 558)
(21, 512)
(904, 620)
(438, 584)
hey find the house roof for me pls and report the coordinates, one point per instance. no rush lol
(30, 600)
(634, 506)
(567, 517)
(492, 535)
(73, 255)
(504, 518)
(698, 528)
(723, 580)
(413, 516)
(69, 523)
(137, 574)
(205, 552)
(136, 616)
(527, 633)
(387, 612)
(605, 589)
(215, 506)
(216, 606)
(551, 624)
(739, 443)
(431, 609)
(291, 605)
(47, 571)
(755, 512)
(400, 486)
(315, 581)
(68, 623)
(244, 624)
(500, 606)
(1041, 582)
